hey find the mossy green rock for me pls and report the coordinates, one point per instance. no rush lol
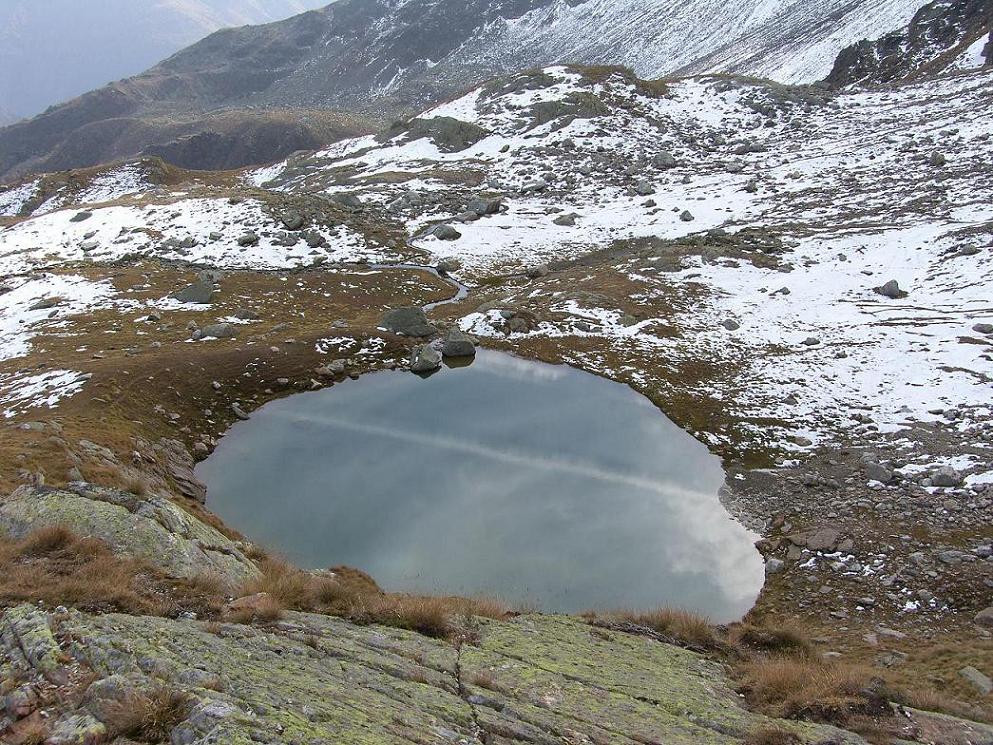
(149, 528)
(312, 679)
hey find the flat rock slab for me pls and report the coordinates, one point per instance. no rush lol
(319, 679)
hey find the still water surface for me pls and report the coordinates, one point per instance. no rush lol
(542, 485)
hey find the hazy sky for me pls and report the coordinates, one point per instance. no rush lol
(54, 50)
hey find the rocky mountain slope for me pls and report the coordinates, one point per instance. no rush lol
(386, 57)
(54, 50)
(942, 35)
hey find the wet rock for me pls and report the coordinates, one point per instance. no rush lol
(424, 359)
(408, 322)
(201, 293)
(458, 344)
(891, 290)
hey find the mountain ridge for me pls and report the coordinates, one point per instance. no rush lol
(383, 59)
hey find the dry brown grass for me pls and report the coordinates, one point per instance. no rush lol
(148, 716)
(54, 566)
(772, 736)
(791, 688)
(34, 731)
(680, 627)
(784, 640)
(351, 594)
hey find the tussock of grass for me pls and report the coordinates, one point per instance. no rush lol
(353, 595)
(32, 732)
(148, 716)
(681, 627)
(791, 688)
(772, 736)
(54, 566)
(781, 640)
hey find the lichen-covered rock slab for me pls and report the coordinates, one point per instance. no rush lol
(313, 679)
(148, 528)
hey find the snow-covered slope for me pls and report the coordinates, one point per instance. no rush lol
(817, 199)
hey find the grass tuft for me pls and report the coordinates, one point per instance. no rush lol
(148, 716)
(681, 627)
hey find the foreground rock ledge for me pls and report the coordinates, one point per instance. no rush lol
(313, 679)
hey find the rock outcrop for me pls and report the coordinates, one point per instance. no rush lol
(315, 679)
(149, 528)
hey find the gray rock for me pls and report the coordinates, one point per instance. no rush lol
(484, 207)
(664, 160)
(937, 159)
(424, 359)
(536, 272)
(218, 331)
(46, 303)
(687, 216)
(730, 324)
(946, 476)
(292, 220)
(984, 617)
(983, 328)
(978, 680)
(644, 188)
(81, 216)
(445, 232)
(891, 290)
(248, 239)
(876, 472)
(200, 293)
(447, 266)
(408, 322)
(458, 344)
(811, 341)
(143, 527)
(774, 566)
(566, 221)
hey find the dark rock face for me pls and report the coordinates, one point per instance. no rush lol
(938, 33)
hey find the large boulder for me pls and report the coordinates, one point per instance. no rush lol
(424, 359)
(458, 344)
(149, 528)
(198, 293)
(408, 322)
(891, 290)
